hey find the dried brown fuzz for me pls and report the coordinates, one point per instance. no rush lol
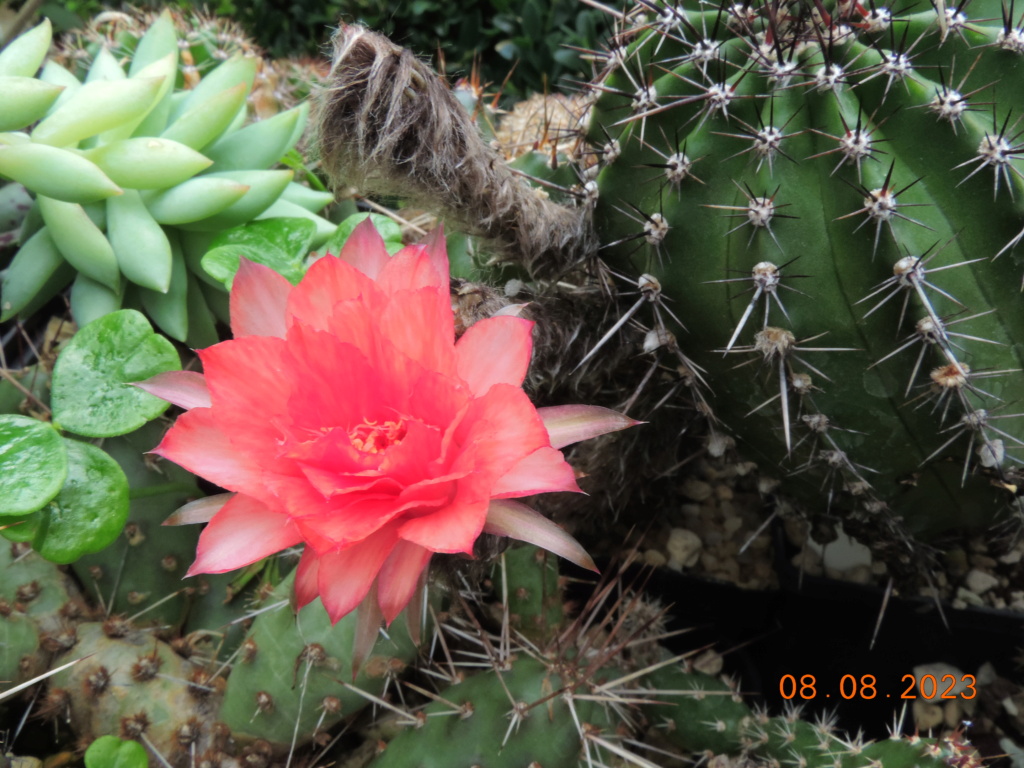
(257, 755)
(390, 125)
(249, 651)
(189, 732)
(133, 726)
(146, 667)
(26, 593)
(117, 626)
(264, 701)
(62, 640)
(96, 682)
(56, 705)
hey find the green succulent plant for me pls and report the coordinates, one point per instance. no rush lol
(134, 178)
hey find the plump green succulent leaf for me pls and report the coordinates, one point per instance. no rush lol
(237, 71)
(310, 199)
(112, 752)
(148, 162)
(33, 464)
(55, 173)
(258, 145)
(159, 41)
(140, 244)
(96, 107)
(80, 240)
(36, 273)
(24, 55)
(90, 510)
(91, 300)
(203, 123)
(91, 392)
(26, 99)
(263, 189)
(169, 309)
(281, 244)
(193, 200)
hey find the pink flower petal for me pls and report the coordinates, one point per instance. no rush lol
(510, 518)
(365, 250)
(494, 351)
(497, 431)
(409, 270)
(407, 461)
(454, 527)
(568, 424)
(334, 385)
(346, 575)
(186, 389)
(351, 521)
(421, 326)
(198, 511)
(328, 281)
(399, 577)
(196, 443)
(355, 322)
(333, 483)
(437, 399)
(543, 471)
(250, 376)
(307, 578)
(259, 298)
(243, 532)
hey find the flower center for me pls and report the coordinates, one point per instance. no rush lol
(371, 437)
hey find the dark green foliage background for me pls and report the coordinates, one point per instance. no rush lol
(497, 33)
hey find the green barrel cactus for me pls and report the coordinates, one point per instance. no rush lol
(824, 203)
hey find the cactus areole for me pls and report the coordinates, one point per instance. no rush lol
(830, 199)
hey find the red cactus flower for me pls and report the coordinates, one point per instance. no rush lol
(345, 416)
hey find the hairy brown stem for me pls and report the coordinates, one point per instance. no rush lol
(389, 125)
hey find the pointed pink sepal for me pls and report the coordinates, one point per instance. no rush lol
(437, 251)
(518, 521)
(568, 424)
(368, 621)
(365, 249)
(186, 389)
(242, 532)
(198, 511)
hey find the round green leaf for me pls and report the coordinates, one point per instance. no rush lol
(112, 752)
(90, 510)
(279, 243)
(91, 395)
(33, 464)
